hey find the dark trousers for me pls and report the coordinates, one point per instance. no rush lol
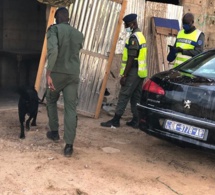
(131, 91)
(68, 85)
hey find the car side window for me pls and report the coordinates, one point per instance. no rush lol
(203, 65)
(207, 69)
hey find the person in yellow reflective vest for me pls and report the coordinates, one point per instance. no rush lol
(189, 42)
(133, 71)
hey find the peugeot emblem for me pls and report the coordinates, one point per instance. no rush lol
(187, 104)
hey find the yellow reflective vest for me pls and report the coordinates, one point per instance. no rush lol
(142, 66)
(185, 41)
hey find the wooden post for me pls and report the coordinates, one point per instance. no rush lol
(164, 46)
(44, 51)
(158, 46)
(110, 59)
(160, 34)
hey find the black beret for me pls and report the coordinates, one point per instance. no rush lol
(61, 9)
(130, 18)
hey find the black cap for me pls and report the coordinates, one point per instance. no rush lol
(130, 18)
(61, 9)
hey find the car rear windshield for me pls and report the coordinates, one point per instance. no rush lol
(202, 65)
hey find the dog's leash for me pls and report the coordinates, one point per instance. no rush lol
(41, 100)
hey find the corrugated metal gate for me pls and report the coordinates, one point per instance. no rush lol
(97, 20)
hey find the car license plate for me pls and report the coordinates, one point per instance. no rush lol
(185, 129)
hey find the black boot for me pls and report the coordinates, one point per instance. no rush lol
(133, 123)
(53, 135)
(68, 150)
(113, 122)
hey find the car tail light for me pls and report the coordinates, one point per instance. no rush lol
(153, 87)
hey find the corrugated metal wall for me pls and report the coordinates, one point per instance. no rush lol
(97, 20)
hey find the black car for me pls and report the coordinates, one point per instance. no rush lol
(179, 104)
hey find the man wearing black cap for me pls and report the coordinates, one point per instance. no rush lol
(64, 43)
(133, 71)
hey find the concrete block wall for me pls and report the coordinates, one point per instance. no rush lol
(204, 13)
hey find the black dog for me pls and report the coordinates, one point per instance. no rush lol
(28, 104)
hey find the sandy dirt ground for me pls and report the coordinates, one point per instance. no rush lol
(122, 161)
